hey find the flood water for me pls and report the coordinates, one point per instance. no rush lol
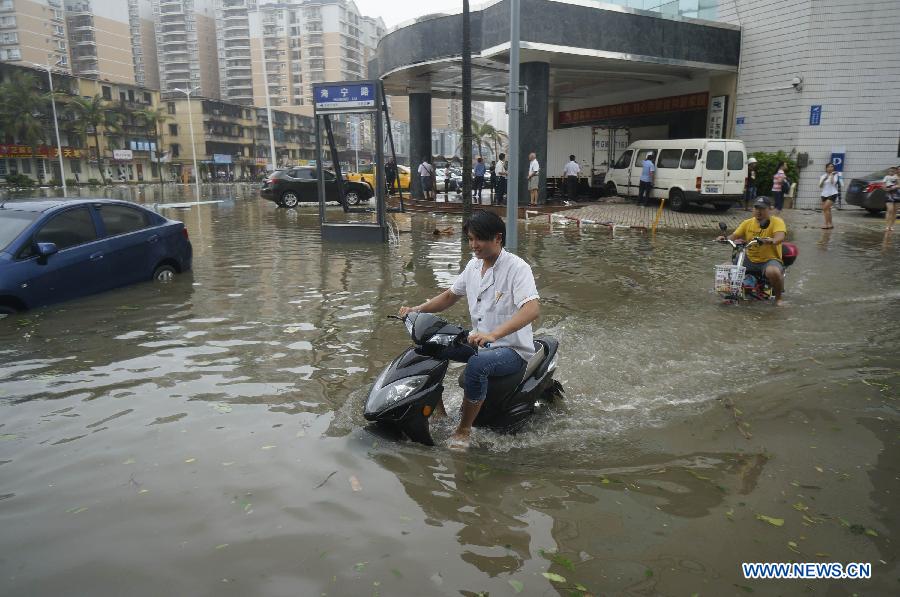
(206, 437)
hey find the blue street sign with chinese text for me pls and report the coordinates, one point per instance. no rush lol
(815, 115)
(344, 96)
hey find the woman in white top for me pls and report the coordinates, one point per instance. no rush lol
(829, 183)
(892, 192)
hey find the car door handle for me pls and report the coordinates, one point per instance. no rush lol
(97, 256)
(153, 238)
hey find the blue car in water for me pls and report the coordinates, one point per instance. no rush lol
(52, 251)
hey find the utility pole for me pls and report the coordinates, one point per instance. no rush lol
(467, 112)
(512, 194)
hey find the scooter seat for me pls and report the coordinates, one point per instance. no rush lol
(500, 384)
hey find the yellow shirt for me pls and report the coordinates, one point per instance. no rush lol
(749, 229)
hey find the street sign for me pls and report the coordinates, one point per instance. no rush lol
(350, 96)
(815, 115)
(838, 160)
(122, 155)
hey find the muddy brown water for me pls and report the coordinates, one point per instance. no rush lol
(206, 438)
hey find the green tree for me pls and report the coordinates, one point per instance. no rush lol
(91, 114)
(23, 112)
(766, 164)
(152, 120)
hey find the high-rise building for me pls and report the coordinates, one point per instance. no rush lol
(233, 42)
(34, 31)
(143, 43)
(186, 45)
(100, 40)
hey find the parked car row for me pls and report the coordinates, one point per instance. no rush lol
(52, 251)
(288, 188)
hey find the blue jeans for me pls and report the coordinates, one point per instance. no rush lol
(778, 198)
(644, 190)
(488, 362)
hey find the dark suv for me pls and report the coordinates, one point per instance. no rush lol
(289, 187)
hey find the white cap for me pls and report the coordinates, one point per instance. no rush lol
(751, 161)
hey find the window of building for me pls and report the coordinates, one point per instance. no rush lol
(106, 91)
(10, 54)
(173, 130)
(669, 158)
(176, 150)
(6, 4)
(689, 159)
(41, 168)
(715, 159)
(59, 30)
(9, 37)
(148, 99)
(122, 96)
(75, 166)
(26, 166)
(131, 95)
(3, 170)
(170, 107)
(68, 229)
(8, 21)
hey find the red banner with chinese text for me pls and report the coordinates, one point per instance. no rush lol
(678, 103)
(43, 151)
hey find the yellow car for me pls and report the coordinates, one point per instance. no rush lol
(367, 174)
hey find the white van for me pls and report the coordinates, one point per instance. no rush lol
(687, 171)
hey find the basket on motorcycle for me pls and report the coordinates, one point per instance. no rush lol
(729, 278)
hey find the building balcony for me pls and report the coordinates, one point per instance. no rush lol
(242, 28)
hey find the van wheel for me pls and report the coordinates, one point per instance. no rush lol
(610, 190)
(677, 202)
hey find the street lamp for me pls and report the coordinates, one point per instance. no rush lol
(62, 173)
(262, 46)
(187, 93)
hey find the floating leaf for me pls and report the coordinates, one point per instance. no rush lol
(558, 559)
(648, 573)
(516, 585)
(744, 588)
(819, 468)
(801, 507)
(843, 522)
(222, 408)
(581, 587)
(190, 460)
(553, 577)
(793, 547)
(778, 522)
(76, 510)
(227, 463)
(604, 481)
(222, 546)
(268, 447)
(730, 514)
(396, 573)
(857, 529)
(129, 461)
(697, 475)
(360, 565)
(144, 491)
(871, 533)
(822, 554)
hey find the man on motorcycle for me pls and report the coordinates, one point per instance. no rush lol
(503, 302)
(764, 259)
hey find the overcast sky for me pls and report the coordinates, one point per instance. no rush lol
(397, 11)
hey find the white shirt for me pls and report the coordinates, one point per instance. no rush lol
(829, 184)
(495, 297)
(500, 169)
(572, 169)
(533, 167)
(425, 169)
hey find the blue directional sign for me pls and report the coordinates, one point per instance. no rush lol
(344, 96)
(838, 160)
(815, 115)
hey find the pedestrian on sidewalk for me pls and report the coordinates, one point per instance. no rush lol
(892, 190)
(479, 178)
(829, 183)
(493, 171)
(426, 175)
(390, 174)
(501, 171)
(780, 185)
(750, 190)
(571, 171)
(534, 178)
(645, 190)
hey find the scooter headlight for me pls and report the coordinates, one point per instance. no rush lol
(442, 339)
(393, 393)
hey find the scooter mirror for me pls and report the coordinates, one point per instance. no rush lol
(723, 226)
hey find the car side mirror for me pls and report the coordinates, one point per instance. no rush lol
(723, 226)
(46, 250)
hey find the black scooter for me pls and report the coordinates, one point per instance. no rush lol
(406, 393)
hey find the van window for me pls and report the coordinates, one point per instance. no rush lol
(669, 158)
(735, 160)
(689, 159)
(642, 155)
(715, 159)
(624, 160)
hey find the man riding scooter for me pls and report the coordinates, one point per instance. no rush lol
(503, 302)
(764, 259)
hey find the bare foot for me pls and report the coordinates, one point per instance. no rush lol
(459, 442)
(779, 302)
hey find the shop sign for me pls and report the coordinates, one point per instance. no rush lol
(122, 155)
(678, 103)
(43, 151)
(221, 158)
(715, 123)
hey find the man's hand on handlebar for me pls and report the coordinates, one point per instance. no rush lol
(480, 339)
(404, 311)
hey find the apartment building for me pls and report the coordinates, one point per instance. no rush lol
(33, 31)
(143, 43)
(233, 42)
(186, 46)
(100, 40)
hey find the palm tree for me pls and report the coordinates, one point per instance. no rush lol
(22, 111)
(91, 114)
(152, 120)
(497, 139)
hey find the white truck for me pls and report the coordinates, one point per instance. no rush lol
(594, 147)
